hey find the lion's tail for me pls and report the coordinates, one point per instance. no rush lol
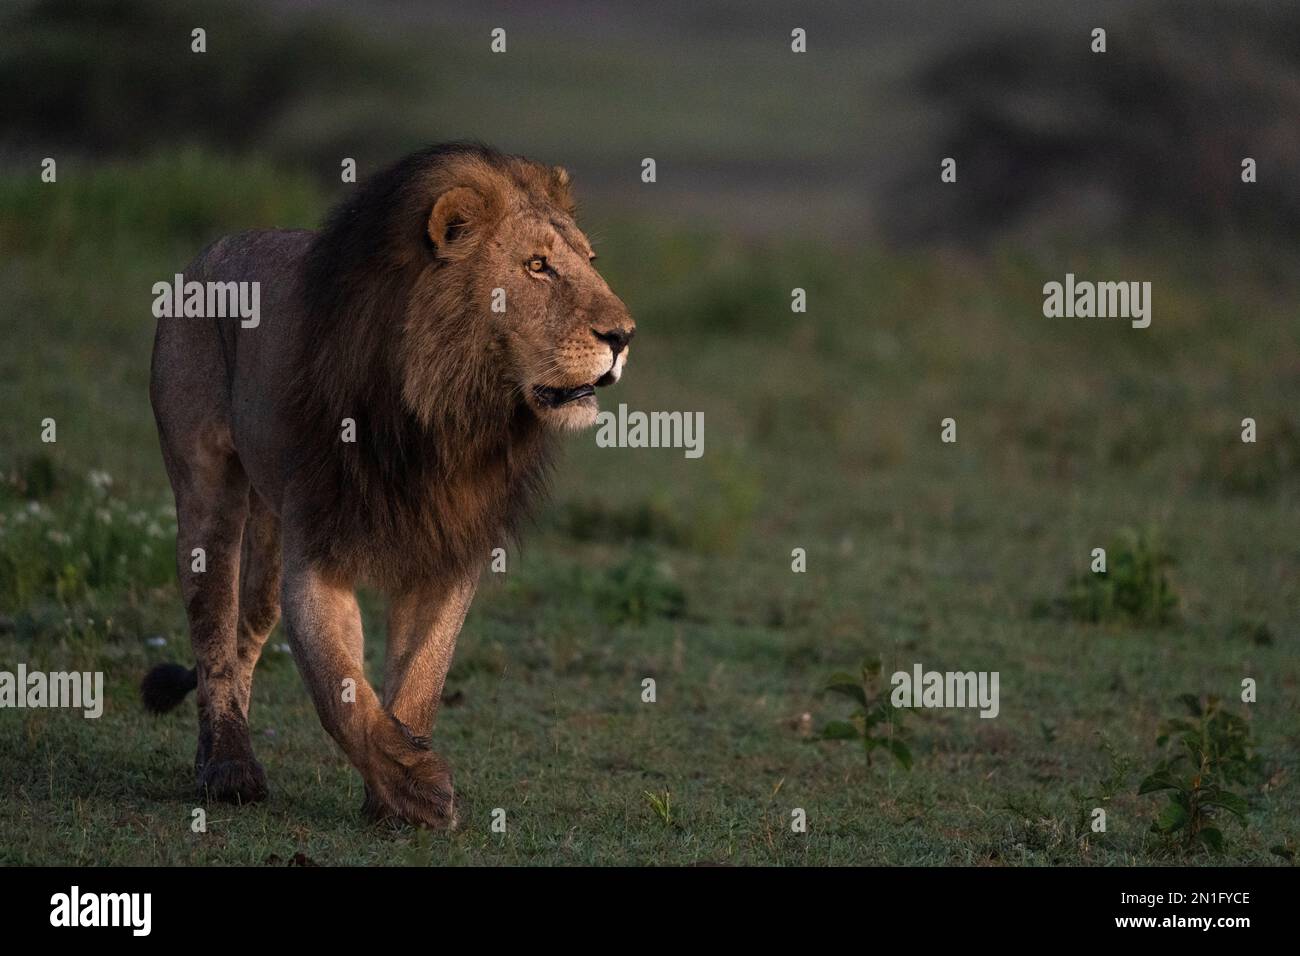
(166, 685)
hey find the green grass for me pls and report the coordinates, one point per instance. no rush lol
(822, 432)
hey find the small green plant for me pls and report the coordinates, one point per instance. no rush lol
(1134, 587)
(1212, 752)
(662, 804)
(638, 590)
(1119, 770)
(875, 722)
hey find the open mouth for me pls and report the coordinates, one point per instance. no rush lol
(556, 397)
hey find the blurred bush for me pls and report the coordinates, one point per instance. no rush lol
(1135, 588)
(118, 76)
(1046, 132)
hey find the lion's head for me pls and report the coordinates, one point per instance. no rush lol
(502, 266)
(455, 315)
(504, 240)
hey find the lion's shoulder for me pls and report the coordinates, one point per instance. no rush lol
(234, 255)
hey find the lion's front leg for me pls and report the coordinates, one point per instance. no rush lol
(423, 624)
(422, 629)
(404, 778)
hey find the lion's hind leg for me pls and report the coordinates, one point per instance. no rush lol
(212, 508)
(259, 591)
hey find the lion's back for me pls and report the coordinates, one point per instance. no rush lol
(252, 255)
(218, 372)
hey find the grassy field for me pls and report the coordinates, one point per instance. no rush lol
(823, 433)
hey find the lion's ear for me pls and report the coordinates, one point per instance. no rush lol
(559, 189)
(454, 216)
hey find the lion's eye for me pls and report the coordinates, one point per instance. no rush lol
(537, 264)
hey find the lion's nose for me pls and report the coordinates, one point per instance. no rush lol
(616, 339)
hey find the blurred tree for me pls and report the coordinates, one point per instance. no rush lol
(1156, 128)
(119, 76)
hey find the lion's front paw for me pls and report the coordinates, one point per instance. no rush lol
(407, 781)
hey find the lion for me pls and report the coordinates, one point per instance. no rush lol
(387, 423)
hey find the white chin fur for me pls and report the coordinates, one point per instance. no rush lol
(574, 416)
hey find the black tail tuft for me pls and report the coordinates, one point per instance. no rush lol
(166, 685)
